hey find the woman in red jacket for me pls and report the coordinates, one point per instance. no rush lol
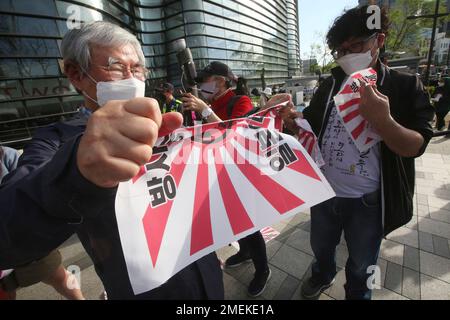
(216, 82)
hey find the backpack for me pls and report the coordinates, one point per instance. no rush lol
(232, 102)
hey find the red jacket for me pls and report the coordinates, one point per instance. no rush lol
(241, 107)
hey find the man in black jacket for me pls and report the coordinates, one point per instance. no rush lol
(374, 189)
(67, 177)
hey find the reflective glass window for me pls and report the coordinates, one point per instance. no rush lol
(45, 7)
(40, 107)
(212, 19)
(175, 33)
(191, 17)
(34, 47)
(193, 5)
(216, 32)
(46, 87)
(70, 104)
(150, 38)
(232, 45)
(199, 29)
(9, 68)
(232, 35)
(11, 111)
(149, 13)
(152, 26)
(212, 8)
(174, 21)
(199, 53)
(27, 25)
(66, 10)
(196, 41)
(218, 43)
(173, 8)
(231, 25)
(150, 2)
(38, 67)
(10, 89)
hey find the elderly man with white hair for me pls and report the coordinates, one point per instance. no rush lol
(67, 177)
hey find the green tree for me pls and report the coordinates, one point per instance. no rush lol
(404, 34)
(314, 68)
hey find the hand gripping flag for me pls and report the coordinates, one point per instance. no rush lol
(206, 187)
(347, 103)
(272, 113)
(309, 141)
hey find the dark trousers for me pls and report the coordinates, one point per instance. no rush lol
(361, 221)
(254, 247)
(440, 119)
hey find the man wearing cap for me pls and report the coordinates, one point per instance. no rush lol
(170, 104)
(265, 96)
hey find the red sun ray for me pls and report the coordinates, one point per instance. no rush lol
(201, 232)
(237, 215)
(279, 197)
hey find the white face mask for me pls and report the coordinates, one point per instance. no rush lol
(209, 90)
(125, 89)
(354, 62)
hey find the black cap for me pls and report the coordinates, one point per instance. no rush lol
(216, 68)
(166, 87)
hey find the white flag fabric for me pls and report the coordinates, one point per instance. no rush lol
(4, 273)
(206, 187)
(347, 103)
(309, 141)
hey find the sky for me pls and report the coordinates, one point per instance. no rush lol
(316, 16)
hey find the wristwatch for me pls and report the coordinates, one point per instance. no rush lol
(207, 112)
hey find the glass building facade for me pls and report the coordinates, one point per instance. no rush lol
(248, 35)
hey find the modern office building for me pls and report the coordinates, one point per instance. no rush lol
(248, 35)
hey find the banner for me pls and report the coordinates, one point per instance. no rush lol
(347, 103)
(206, 187)
(272, 113)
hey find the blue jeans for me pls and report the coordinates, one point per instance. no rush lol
(361, 221)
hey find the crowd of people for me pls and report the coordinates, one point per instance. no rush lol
(66, 180)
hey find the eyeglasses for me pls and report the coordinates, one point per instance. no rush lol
(356, 47)
(118, 71)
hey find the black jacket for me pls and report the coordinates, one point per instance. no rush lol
(410, 107)
(46, 200)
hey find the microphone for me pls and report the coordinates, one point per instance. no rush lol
(185, 60)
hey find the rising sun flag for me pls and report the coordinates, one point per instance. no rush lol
(208, 186)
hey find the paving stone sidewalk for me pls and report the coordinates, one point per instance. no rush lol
(414, 260)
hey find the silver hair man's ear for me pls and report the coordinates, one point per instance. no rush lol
(76, 43)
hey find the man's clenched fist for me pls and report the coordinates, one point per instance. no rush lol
(119, 138)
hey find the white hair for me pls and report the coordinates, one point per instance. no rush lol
(76, 44)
